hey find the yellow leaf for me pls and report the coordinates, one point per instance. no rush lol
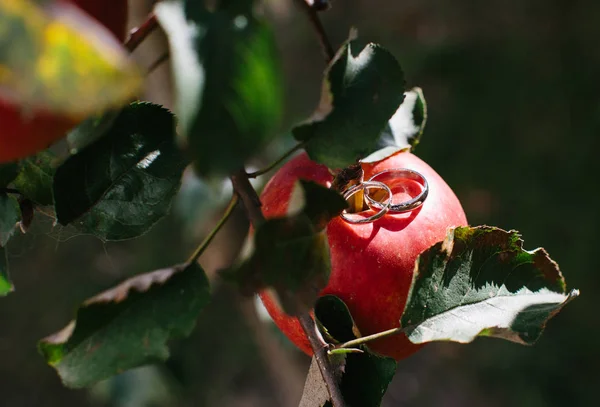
(54, 57)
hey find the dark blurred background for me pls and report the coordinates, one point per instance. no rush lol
(514, 119)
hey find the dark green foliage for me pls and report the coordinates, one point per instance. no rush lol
(90, 130)
(229, 98)
(405, 128)
(119, 186)
(364, 376)
(480, 281)
(35, 177)
(6, 285)
(8, 172)
(9, 216)
(362, 89)
(291, 254)
(128, 325)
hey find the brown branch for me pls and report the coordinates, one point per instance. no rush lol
(163, 58)
(313, 17)
(320, 349)
(248, 196)
(252, 204)
(139, 34)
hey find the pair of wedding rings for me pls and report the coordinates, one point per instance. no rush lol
(377, 182)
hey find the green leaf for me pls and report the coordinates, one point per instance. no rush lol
(121, 185)
(6, 286)
(318, 203)
(364, 377)
(60, 60)
(363, 88)
(405, 128)
(35, 177)
(128, 325)
(8, 172)
(227, 79)
(335, 320)
(480, 282)
(291, 254)
(9, 216)
(91, 130)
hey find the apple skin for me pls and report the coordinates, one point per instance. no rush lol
(112, 14)
(371, 264)
(25, 133)
(21, 136)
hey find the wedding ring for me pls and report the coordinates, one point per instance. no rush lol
(365, 186)
(398, 174)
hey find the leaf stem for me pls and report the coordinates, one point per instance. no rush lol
(320, 349)
(228, 211)
(139, 34)
(274, 164)
(365, 339)
(314, 19)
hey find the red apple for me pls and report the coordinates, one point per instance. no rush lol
(372, 264)
(22, 134)
(112, 14)
(25, 133)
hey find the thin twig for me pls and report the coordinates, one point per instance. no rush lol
(163, 58)
(314, 19)
(248, 196)
(319, 348)
(276, 162)
(200, 249)
(365, 339)
(139, 34)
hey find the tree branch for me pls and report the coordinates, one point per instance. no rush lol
(252, 204)
(319, 348)
(274, 164)
(139, 34)
(313, 17)
(200, 249)
(248, 196)
(163, 58)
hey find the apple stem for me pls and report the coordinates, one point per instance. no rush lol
(200, 249)
(312, 13)
(275, 163)
(365, 339)
(139, 34)
(320, 350)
